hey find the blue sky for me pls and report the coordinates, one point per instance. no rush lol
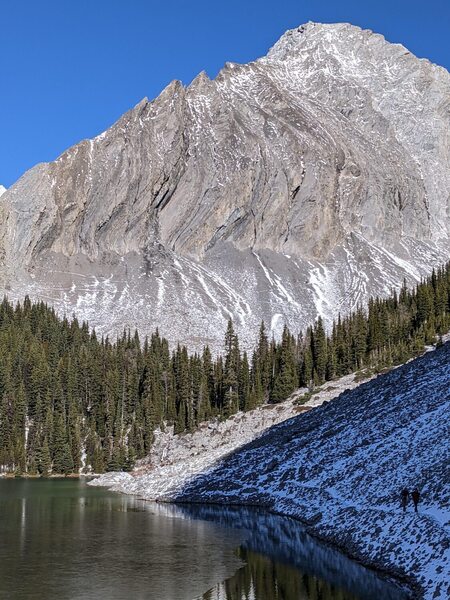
(70, 68)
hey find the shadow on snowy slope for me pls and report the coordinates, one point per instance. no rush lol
(340, 467)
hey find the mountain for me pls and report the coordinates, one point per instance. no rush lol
(298, 184)
(340, 469)
(2, 190)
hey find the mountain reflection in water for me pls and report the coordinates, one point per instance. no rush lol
(63, 540)
(283, 562)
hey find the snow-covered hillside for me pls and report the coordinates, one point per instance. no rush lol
(340, 469)
(175, 459)
(2, 190)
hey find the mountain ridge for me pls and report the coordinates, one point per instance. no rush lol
(292, 186)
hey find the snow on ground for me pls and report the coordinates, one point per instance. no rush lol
(175, 459)
(340, 469)
(2, 190)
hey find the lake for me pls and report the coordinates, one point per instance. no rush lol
(61, 539)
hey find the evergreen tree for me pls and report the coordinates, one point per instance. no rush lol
(231, 374)
(44, 459)
(244, 384)
(319, 351)
(286, 379)
(62, 457)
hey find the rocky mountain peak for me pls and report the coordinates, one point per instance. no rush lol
(298, 184)
(293, 41)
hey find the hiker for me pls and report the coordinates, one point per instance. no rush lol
(415, 495)
(405, 496)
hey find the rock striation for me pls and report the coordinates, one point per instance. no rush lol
(298, 184)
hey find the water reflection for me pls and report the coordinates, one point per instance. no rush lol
(63, 540)
(264, 579)
(283, 562)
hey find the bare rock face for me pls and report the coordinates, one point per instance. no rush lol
(298, 184)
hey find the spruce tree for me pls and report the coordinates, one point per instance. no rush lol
(319, 350)
(286, 380)
(44, 459)
(231, 372)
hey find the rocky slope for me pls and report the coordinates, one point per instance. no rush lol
(340, 468)
(297, 184)
(176, 459)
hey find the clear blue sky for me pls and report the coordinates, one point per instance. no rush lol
(70, 68)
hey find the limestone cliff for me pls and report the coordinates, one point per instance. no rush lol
(298, 184)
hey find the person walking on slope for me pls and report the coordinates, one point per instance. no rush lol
(415, 495)
(405, 497)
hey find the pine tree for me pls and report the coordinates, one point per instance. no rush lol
(307, 366)
(244, 384)
(286, 379)
(319, 351)
(44, 459)
(231, 372)
(62, 457)
(262, 365)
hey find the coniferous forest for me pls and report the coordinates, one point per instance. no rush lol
(71, 401)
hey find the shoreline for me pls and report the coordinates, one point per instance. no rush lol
(385, 572)
(388, 573)
(52, 476)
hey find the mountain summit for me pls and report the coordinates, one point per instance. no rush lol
(296, 185)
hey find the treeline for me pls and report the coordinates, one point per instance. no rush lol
(389, 332)
(70, 401)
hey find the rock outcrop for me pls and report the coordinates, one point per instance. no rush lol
(298, 184)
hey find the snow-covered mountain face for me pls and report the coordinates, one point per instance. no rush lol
(295, 185)
(2, 190)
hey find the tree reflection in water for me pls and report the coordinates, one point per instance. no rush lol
(283, 562)
(264, 579)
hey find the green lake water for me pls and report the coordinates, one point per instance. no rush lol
(61, 539)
